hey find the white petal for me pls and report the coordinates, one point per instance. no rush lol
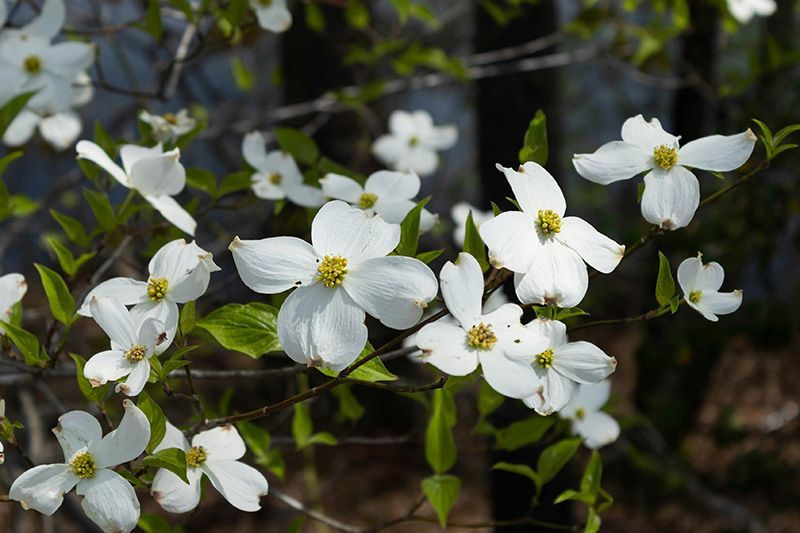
(535, 189)
(341, 187)
(597, 429)
(254, 149)
(714, 303)
(444, 345)
(106, 366)
(61, 130)
(275, 18)
(405, 123)
(718, 153)
(339, 229)
(21, 128)
(512, 240)
(95, 154)
(514, 339)
(12, 288)
(394, 211)
(509, 376)
(173, 438)
(49, 21)
(583, 362)
(694, 275)
(419, 159)
(66, 59)
(125, 291)
(187, 268)
(554, 394)
(75, 431)
(670, 198)
(221, 443)
(162, 175)
(240, 484)
(114, 320)
(130, 154)
(646, 135)
(42, 488)
(394, 289)
(165, 312)
(440, 137)
(389, 149)
(612, 162)
(553, 330)
(385, 183)
(137, 379)
(173, 212)
(173, 494)
(125, 443)
(109, 501)
(264, 188)
(462, 289)
(557, 276)
(322, 326)
(592, 397)
(595, 248)
(276, 264)
(305, 195)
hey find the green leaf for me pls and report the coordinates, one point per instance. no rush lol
(152, 523)
(570, 312)
(188, 318)
(428, 257)
(590, 482)
(103, 138)
(301, 146)
(62, 304)
(72, 227)
(665, 284)
(372, 370)
(534, 147)
(158, 422)
(69, 264)
(101, 207)
(303, 428)
(202, 180)
(488, 399)
(357, 14)
(173, 459)
(152, 20)
(409, 231)
(473, 244)
(592, 522)
(238, 181)
(570, 495)
(93, 394)
(521, 469)
(247, 328)
(315, 19)
(442, 493)
(349, 406)
(27, 343)
(241, 74)
(11, 109)
(522, 433)
(440, 447)
(259, 442)
(555, 457)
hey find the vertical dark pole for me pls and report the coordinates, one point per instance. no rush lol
(505, 106)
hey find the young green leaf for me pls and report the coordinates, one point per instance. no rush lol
(409, 231)
(301, 146)
(473, 244)
(27, 343)
(62, 304)
(521, 469)
(247, 328)
(442, 493)
(158, 422)
(173, 459)
(522, 433)
(440, 447)
(555, 457)
(101, 207)
(665, 284)
(535, 147)
(372, 370)
(91, 393)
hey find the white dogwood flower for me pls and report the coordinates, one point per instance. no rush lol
(179, 272)
(594, 426)
(700, 285)
(413, 142)
(157, 175)
(108, 499)
(343, 274)
(272, 15)
(277, 175)
(167, 128)
(672, 192)
(387, 193)
(12, 288)
(543, 247)
(497, 341)
(216, 454)
(563, 365)
(460, 212)
(744, 10)
(133, 343)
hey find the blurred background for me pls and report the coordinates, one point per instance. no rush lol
(709, 411)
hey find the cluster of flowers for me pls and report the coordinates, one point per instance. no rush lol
(348, 271)
(56, 73)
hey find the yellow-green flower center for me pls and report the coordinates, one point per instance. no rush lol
(135, 354)
(695, 296)
(665, 156)
(83, 466)
(170, 118)
(367, 200)
(580, 413)
(157, 289)
(545, 359)
(413, 141)
(196, 456)
(265, 3)
(548, 221)
(481, 336)
(275, 178)
(332, 270)
(32, 64)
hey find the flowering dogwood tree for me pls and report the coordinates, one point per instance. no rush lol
(333, 273)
